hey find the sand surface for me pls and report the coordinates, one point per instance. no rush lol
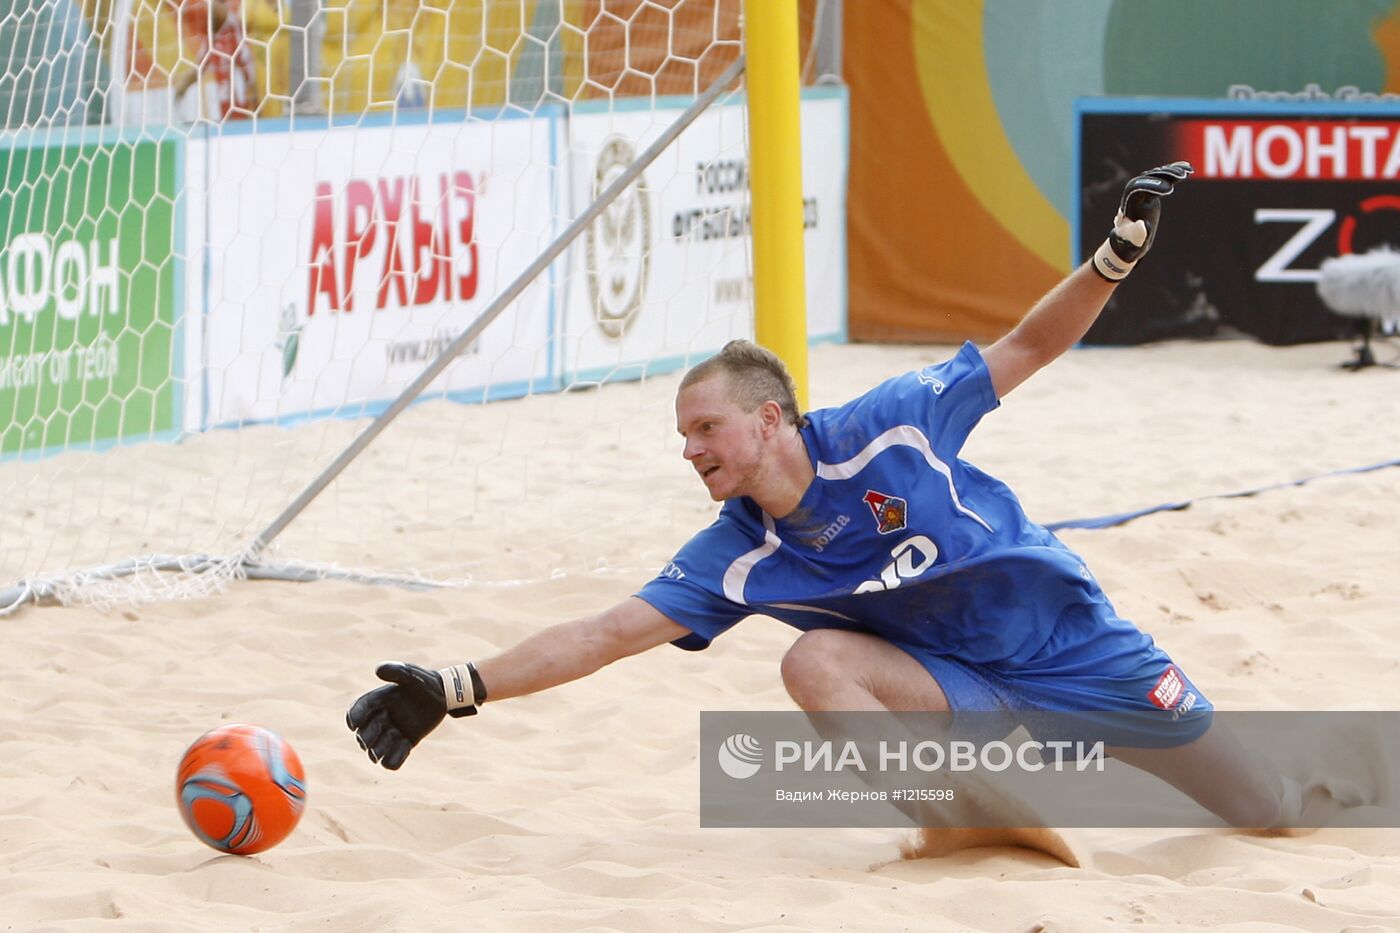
(577, 808)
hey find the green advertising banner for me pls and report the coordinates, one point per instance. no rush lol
(87, 294)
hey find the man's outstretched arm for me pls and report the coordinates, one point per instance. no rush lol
(391, 720)
(1057, 322)
(571, 650)
(1060, 319)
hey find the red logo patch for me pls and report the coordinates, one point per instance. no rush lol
(891, 512)
(1168, 689)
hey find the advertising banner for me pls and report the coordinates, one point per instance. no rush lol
(666, 275)
(1277, 189)
(963, 129)
(87, 294)
(342, 261)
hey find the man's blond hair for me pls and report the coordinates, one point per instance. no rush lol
(756, 375)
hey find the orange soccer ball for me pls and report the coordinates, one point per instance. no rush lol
(241, 788)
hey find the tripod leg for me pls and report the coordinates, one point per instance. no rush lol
(1364, 356)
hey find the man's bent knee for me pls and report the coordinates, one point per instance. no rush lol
(813, 665)
(831, 669)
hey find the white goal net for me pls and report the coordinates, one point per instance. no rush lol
(233, 231)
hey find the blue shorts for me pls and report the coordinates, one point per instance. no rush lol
(1111, 667)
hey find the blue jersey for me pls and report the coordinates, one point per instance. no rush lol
(896, 535)
(899, 537)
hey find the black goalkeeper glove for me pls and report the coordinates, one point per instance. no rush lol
(390, 721)
(1135, 227)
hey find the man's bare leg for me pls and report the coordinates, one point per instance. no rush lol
(1220, 774)
(829, 670)
(1216, 772)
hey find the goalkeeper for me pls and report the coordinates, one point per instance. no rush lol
(918, 581)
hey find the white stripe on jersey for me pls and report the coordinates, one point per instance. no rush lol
(818, 609)
(738, 573)
(905, 435)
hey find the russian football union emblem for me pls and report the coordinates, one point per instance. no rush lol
(617, 246)
(891, 512)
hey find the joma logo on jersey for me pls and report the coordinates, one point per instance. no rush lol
(891, 512)
(830, 532)
(934, 384)
(911, 558)
(1185, 706)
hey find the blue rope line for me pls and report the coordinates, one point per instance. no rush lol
(1122, 518)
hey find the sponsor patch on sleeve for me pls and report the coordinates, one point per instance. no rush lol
(1168, 689)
